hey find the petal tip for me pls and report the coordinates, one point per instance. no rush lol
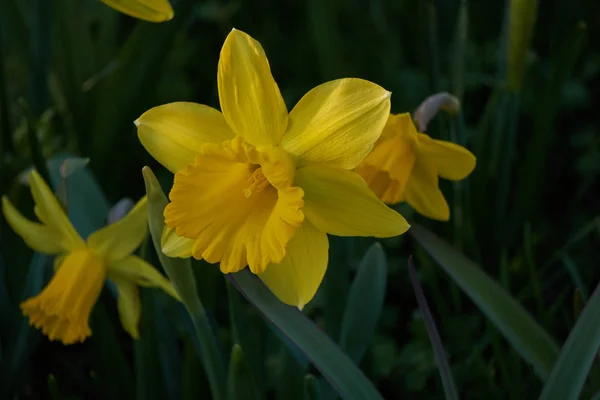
(137, 122)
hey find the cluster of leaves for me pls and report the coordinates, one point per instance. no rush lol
(74, 74)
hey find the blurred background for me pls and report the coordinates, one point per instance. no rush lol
(75, 74)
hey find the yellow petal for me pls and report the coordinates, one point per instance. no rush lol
(51, 214)
(387, 168)
(452, 161)
(128, 304)
(136, 270)
(147, 10)
(174, 133)
(340, 203)
(37, 236)
(118, 240)
(337, 123)
(63, 308)
(174, 245)
(228, 205)
(249, 96)
(423, 194)
(296, 279)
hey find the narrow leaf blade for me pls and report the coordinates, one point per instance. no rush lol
(364, 305)
(527, 337)
(180, 273)
(577, 355)
(335, 366)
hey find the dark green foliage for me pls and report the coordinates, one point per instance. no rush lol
(75, 74)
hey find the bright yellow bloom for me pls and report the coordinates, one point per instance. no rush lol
(405, 164)
(147, 10)
(63, 307)
(257, 186)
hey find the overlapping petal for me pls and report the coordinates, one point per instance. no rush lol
(387, 168)
(249, 96)
(118, 240)
(174, 245)
(138, 271)
(236, 217)
(174, 133)
(337, 123)
(339, 202)
(452, 161)
(147, 10)
(50, 213)
(423, 194)
(296, 279)
(37, 236)
(128, 304)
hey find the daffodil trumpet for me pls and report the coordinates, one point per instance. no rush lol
(405, 165)
(260, 187)
(63, 308)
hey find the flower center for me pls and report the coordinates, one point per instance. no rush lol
(63, 308)
(257, 182)
(238, 203)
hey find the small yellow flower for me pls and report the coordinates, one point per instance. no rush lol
(147, 10)
(63, 307)
(256, 186)
(405, 164)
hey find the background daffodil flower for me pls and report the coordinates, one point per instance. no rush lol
(405, 164)
(63, 307)
(147, 10)
(256, 186)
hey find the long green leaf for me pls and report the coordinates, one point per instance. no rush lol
(241, 383)
(577, 355)
(528, 338)
(364, 305)
(325, 355)
(438, 349)
(180, 273)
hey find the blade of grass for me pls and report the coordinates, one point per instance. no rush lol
(575, 276)
(532, 169)
(241, 383)
(577, 355)
(434, 336)
(6, 141)
(335, 366)
(180, 273)
(364, 304)
(34, 143)
(526, 336)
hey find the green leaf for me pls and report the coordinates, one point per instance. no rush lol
(528, 338)
(240, 384)
(364, 304)
(434, 336)
(180, 273)
(25, 338)
(577, 355)
(312, 387)
(325, 355)
(87, 203)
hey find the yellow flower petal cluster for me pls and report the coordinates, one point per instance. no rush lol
(405, 165)
(63, 307)
(260, 187)
(147, 10)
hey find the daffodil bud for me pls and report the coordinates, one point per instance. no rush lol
(522, 16)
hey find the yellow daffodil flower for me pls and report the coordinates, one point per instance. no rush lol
(405, 164)
(147, 10)
(255, 186)
(63, 307)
